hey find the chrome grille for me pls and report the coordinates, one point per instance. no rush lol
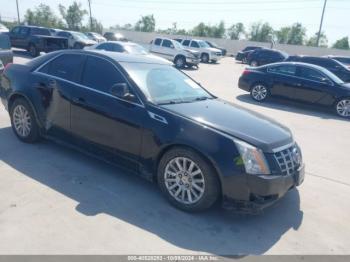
(289, 160)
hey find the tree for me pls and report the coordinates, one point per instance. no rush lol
(261, 32)
(203, 30)
(73, 16)
(146, 24)
(236, 31)
(96, 26)
(42, 16)
(292, 35)
(122, 27)
(342, 43)
(313, 40)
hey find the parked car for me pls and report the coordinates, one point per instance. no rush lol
(265, 56)
(242, 55)
(342, 59)
(6, 55)
(111, 36)
(121, 47)
(3, 29)
(36, 39)
(332, 65)
(298, 81)
(215, 45)
(175, 52)
(207, 53)
(96, 37)
(142, 113)
(76, 40)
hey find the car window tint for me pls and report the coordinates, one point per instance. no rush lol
(186, 43)
(157, 41)
(65, 66)
(100, 74)
(285, 69)
(24, 31)
(194, 44)
(167, 43)
(105, 46)
(16, 30)
(40, 31)
(311, 74)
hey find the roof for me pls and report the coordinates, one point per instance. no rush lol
(297, 63)
(121, 57)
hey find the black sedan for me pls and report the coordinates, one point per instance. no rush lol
(299, 81)
(142, 113)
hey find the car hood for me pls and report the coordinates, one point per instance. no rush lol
(212, 49)
(192, 51)
(235, 121)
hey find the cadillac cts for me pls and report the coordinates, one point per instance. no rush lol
(141, 113)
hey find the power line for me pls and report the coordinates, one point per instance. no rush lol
(321, 23)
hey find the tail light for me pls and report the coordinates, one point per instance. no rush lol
(246, 72)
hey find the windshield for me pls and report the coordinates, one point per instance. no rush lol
(135, 49)
(163, 84)
(203, 44)
(79, 35)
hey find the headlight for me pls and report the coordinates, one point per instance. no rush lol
(213, 53)
(253, 158)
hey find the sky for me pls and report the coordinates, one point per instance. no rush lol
(188, 13)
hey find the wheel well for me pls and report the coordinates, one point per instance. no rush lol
(177, 56)
(340, 98)
(17, 96)
(259, 82)
(204, 53)
(170, 147)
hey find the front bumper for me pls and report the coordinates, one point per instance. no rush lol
(259, 192)
(192, 61)
(215, 57)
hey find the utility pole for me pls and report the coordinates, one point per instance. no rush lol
(19, 20)
(90, 15)
(319, 31)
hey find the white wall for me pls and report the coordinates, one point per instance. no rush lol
(233, 46)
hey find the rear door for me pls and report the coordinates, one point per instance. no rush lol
(14, 36)
(22, 40)
(315, 86)
(54, 82)
(97, 116)
(285, 80)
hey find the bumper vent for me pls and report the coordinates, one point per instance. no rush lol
(289, 160)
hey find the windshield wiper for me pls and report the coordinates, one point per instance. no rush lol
(202, 98)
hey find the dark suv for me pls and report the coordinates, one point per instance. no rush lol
(242, 55)
(337, 68)
(265, 56)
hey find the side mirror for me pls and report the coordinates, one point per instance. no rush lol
(121, 90)
(325, 80)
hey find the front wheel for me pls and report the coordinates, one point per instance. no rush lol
(342, 108)
(33, 51)
(180, 62)
(259, 92)
(23, 121)
(205, 58)
(187, 180)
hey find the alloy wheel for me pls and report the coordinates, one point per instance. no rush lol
(179, 62)
(343, 108)
(22, 121)
(184, 180)
(259, 92)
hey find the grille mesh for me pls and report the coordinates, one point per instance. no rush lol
(289, 160)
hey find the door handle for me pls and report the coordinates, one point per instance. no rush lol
(298, 84)
(79, 100)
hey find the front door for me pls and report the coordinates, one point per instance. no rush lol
(97, 116)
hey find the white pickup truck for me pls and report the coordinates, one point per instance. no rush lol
(175, 52)
(207, 53)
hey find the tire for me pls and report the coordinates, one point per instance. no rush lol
(172, 180)
(259, 92)
(205, 58)
(342, 107)
(23, 121)
(244, 60)
(33, 51)
(78, 46)
(180, 62)
(254, 63)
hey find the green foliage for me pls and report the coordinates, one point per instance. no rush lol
(292, 35)
(9, 25)
(146, 24)
(342, 43)
(42, 15)
(313, 40)
(203, 30)
(236, 31)
(261, 32)
(73, 15)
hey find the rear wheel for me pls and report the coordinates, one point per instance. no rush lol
(187, 180)
(23, 121)
(78, 46)
(342, 107)
(259, 92)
